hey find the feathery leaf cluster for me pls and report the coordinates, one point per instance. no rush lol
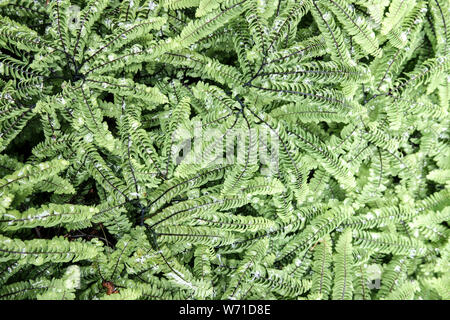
(228, 149)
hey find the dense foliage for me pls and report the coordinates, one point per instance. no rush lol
(224, 149)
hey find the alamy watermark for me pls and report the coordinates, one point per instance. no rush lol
(237, 145)
(373, 272)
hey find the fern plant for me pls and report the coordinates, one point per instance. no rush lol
(228, 149)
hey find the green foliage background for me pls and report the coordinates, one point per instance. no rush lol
(93, 94)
